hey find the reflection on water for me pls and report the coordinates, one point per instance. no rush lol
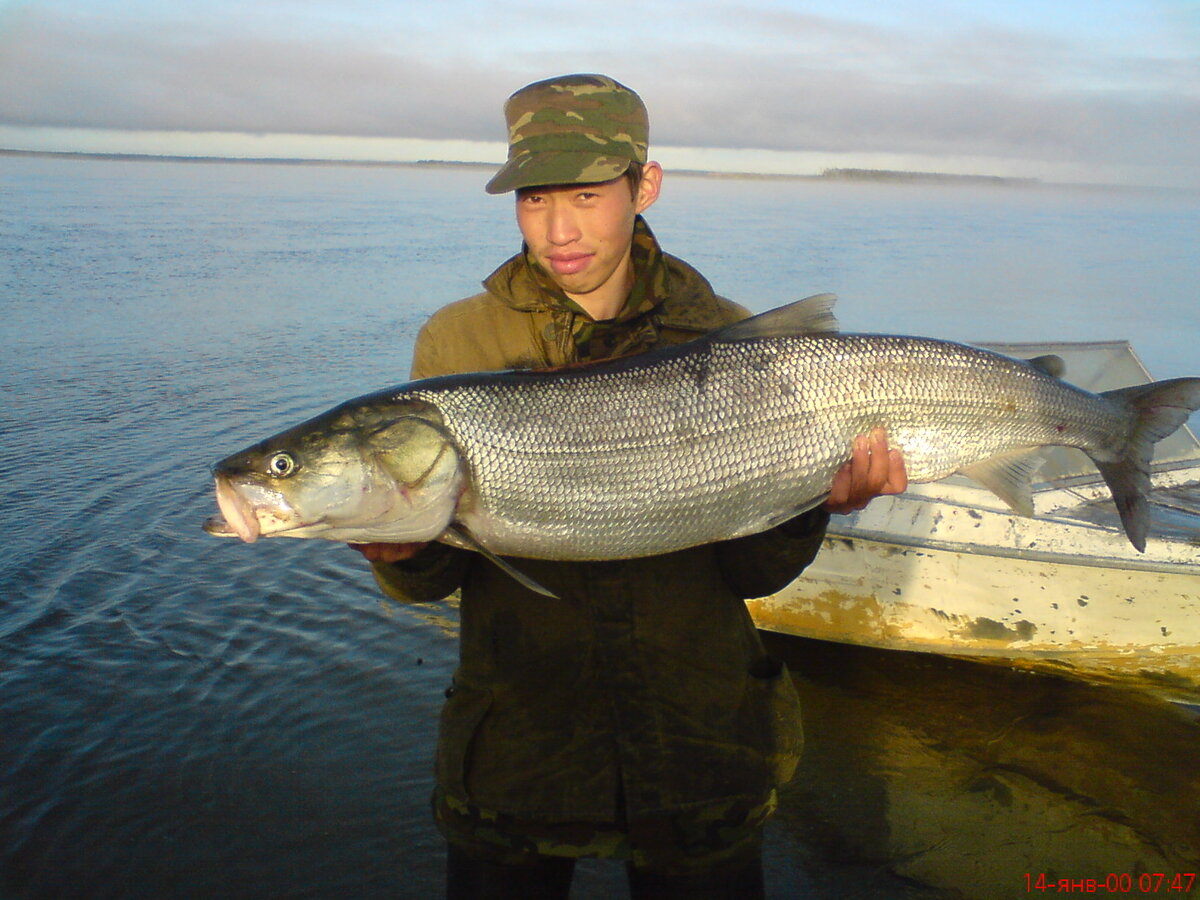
(966, 777)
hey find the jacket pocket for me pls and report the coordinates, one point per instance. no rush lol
(782, 732)
(461, 717)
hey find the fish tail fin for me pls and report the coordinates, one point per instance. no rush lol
(1158, 410)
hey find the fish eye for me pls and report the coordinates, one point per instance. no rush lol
(282, 464)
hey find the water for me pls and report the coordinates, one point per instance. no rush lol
(191, 717)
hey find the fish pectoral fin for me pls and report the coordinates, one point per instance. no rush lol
(520, 577)
(1009, 476)
(812, 315)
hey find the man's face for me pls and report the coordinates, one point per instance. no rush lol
(581, 234)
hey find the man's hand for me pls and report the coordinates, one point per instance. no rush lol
(873, 470)
(388, 553)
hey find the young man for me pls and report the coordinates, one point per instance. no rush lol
(638, 717)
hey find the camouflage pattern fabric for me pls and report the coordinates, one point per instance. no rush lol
(575, 129)
(618, 336)
(514, 323)
(679, 844)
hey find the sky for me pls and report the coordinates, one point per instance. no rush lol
(1062, 90)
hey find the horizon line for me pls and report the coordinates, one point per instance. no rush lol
(842, 174)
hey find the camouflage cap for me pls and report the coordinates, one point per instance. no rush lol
(575, 129)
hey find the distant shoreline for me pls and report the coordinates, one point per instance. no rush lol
(873, 176)
(256, 160)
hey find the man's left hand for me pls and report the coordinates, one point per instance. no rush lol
(873, 470)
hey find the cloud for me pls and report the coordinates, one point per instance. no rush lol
(983, 91)
(785, 108)
(721, 75)
(65, 72)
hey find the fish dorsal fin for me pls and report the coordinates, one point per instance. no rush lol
(1051, 364)
(520, 577)
(1009, 476)
(812, 315)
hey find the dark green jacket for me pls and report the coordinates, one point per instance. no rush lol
(644, 691)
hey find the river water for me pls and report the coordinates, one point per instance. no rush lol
(189, 717)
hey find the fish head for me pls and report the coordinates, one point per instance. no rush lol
(360, 473)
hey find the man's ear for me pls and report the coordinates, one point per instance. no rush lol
(649, 187)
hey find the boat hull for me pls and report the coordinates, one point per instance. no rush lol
(947, 572)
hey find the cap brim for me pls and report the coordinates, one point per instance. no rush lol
(556, 167)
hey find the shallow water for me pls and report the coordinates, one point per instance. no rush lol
(192, 717)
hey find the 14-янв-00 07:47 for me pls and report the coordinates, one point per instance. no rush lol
(1112, 883)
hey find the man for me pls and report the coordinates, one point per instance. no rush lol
(638, 717)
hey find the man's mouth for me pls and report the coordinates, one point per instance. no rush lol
(569, 263)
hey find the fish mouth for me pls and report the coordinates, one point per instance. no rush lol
(239, 516)
(250, 511)
(218, 527)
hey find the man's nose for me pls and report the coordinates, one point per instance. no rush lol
(562, 225)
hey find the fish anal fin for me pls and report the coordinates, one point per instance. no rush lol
(812, 315)
(1009, 476)
(521, 578)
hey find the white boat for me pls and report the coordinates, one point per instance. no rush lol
(948, 568)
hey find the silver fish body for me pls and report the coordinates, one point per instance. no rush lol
(725, 436)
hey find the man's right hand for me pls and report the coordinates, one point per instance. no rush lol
(389, 553)
(873, 471)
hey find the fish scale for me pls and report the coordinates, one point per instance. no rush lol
(724, 436)
(712, 443)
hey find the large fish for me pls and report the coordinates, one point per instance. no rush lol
(724, 436)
